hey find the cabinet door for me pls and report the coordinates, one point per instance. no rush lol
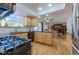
(41, 37)
(24, 35)
(27, 21)
(48, 38)
(34, 21)
(30, 21)
(18, 34)
(36, 37)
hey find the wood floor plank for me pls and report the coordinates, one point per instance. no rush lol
(61, 46)
(43, 49)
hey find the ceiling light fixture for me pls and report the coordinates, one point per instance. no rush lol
(39, 8)
(47, 20)
(49, 5)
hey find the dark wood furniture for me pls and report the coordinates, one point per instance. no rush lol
(24, 49)
(60, 28)
(31, 35)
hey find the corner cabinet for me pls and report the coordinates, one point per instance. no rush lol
(7, 9)
(30, 21)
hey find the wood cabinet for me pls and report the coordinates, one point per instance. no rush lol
(30, 21)
(26, 35)
(34, 21)
(7, 9)
(48, 38)
(31, 35)
(43, 37)
(22, 34)
(8, 6)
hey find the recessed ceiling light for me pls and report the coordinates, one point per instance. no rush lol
(39, 8)
(49, 5)
(47, 15)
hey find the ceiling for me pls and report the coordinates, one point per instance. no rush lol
(31, 9)
(57, 11)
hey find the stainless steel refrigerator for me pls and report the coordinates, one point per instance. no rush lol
(75, 29)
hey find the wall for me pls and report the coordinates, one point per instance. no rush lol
(69, 25)
(7, 31)
(69, 14)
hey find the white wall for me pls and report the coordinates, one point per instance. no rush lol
(69, 25)
(22, 29)
(69, 14)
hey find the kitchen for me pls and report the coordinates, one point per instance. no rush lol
(36, 28)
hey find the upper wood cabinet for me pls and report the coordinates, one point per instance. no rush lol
(8, 6)
(34, 21)
(7, 9)
(30, 21)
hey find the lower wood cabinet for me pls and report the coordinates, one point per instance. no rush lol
(26, 35)
(48, 38)
(31, 36)
(43, 37)
(22, 34)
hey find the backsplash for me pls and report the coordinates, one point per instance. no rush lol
(4, 34)
(9, 30)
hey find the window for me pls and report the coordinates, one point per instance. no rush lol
(12, 21)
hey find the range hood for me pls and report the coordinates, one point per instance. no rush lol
(6, 9)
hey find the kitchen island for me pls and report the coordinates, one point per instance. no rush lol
(45, 37)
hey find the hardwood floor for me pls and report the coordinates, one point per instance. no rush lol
(43, 49)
